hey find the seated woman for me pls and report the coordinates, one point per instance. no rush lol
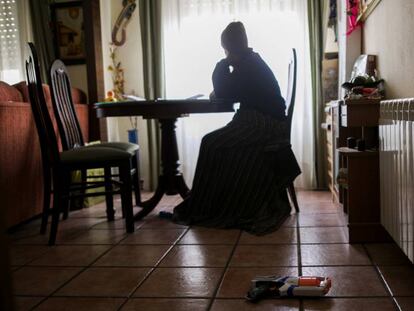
(238, 182)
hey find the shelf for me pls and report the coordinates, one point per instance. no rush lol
(360, 112)
(350, 102)
(351, 152)
(361, 199)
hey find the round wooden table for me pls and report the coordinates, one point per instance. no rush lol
(171, 181)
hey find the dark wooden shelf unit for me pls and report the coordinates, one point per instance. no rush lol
(360, 197)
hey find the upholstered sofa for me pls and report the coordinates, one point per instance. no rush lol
(20, 160)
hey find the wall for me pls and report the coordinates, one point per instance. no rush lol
(130, 56)
(388, 34)
(78, 77)
(349, 47)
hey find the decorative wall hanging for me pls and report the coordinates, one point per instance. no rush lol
(366, 7)
(352, 11)
(122, 22)
(117, 73)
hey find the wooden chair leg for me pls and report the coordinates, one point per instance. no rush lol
(110, 213)
(60, 200)
(126, 195)
(66, 211)
(84, 180)
(65, 205)
(136, 178)
(55, 216)
(47, 190)
(292, 194)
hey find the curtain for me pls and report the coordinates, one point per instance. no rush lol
(317, 27)
(192, 47)
(153, 61)
(40, 16)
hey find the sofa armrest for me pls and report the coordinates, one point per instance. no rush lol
(82, 111)
(21, 177)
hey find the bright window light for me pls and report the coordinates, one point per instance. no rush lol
(192, 47)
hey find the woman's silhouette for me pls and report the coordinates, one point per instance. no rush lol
(238, 182)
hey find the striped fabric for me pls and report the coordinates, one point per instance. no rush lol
(241, 176)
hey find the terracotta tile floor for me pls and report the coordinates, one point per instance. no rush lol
(163, 266)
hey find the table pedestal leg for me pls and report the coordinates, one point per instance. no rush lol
(171, 181)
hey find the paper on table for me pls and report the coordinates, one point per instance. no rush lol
(195, 96)
(133, 97)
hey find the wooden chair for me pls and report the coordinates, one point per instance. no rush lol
(62, 164)
(71, 134)
(290, 106)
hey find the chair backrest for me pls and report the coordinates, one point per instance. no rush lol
(291, 90)
(65, 113)
(47, 137)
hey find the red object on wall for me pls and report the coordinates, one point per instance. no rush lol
(352, 11)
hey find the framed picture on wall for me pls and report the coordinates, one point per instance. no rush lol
(69, 35)
(366, 7)
(60, 1)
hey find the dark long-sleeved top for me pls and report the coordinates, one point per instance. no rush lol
(252, 83)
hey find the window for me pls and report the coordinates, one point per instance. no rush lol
(191, 33)
(10, 46)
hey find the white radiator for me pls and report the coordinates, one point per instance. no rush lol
(396, 132)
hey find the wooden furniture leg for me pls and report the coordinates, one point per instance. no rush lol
(171, 181)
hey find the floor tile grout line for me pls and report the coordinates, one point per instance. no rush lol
(210, 305)
(81, 270)
(299, 243)
(206, 298)
(324, 243)
(299, 252)
(148, 274)
(83, 230)
(337, 266)
(47, 249)
(206, 243)
(315, 226)
(397, 305)
(299, 259)
(162, 267)
(132, 266)
(383, 279)
(162, 244)
(79, 233)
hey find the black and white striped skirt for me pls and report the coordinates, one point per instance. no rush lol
(241, 177)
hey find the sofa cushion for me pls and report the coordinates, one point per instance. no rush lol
(22, 87)
(9, 93)
(21, 181)
(78, 96)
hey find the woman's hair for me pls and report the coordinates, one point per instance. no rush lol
(234, 38)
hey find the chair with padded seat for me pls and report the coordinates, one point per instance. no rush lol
(71, 137)
(61, 164)
(290, 106)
